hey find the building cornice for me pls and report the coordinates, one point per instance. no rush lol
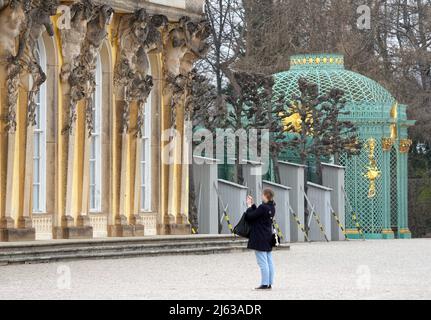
(190, 8)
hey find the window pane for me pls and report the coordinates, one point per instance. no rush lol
(95, 145)
(143, 204)
(36, 171)
(36, 145)
(93, 148)
(92, 173)
(36, 206)
(39, 142)
(143, 150)
(92, 198)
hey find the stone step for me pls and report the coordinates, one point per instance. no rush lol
(66, 250)
(119, 247)
(118, 255)
(38, 245)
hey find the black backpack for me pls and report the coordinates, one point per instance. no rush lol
(242, 229)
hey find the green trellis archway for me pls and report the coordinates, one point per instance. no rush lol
(378, 117)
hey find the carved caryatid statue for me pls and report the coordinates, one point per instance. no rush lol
(38, 20)
(12, 22)
(138, 34)
(72, 38)
(184, 44)
(88, 30)
(82, 77)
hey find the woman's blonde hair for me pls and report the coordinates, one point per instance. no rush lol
(269, 194)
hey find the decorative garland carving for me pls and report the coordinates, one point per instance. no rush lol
(138, 34)
(88, 30)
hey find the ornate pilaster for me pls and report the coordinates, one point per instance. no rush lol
(387, 144)
(80, 47)
(184, 43)
(403, 228)
(24, 22)
(137, 35)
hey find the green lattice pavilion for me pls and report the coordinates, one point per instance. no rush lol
(377, 193)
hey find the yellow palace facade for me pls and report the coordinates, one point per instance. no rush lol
(86, 90)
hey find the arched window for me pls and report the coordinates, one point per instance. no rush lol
(39, 153)
(96, 145)
(145, 159)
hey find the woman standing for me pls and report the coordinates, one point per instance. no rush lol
(261, 235)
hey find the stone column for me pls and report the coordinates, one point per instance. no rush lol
(333, 177)
(403, 226)
(292, 175)
(26, 162)
(183, 44)
(15, 108)
(80, 44)
(6, 152)
(118, 223)
(64, 220)
(7, 48)
(126, 217)
(387, 231)
(17, 221)
(133, 85)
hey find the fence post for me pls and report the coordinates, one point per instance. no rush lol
(282, 213)
(292, 175)
(233, 196)
(252, 173)
(320, 198)
(333, 177)
(205, 178)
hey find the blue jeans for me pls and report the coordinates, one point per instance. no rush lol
(266, 265)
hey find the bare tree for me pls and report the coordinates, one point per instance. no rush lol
(320, 132)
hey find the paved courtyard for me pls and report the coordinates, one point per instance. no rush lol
(398, 269)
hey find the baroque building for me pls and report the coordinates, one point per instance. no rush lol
(87, 89)
(376, 181)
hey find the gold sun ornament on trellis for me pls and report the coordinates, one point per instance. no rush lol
(292, 123)
(373, 172)
(292, 120)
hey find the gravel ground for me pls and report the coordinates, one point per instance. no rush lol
(398, 269)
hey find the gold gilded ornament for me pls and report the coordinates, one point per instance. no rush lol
(405, 145)
(373, 172)
(387, 144)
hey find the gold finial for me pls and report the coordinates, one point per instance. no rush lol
(394, 111)
(394, 117)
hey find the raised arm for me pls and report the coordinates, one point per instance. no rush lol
(254, 213)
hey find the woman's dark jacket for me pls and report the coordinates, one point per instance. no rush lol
(261, 228)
